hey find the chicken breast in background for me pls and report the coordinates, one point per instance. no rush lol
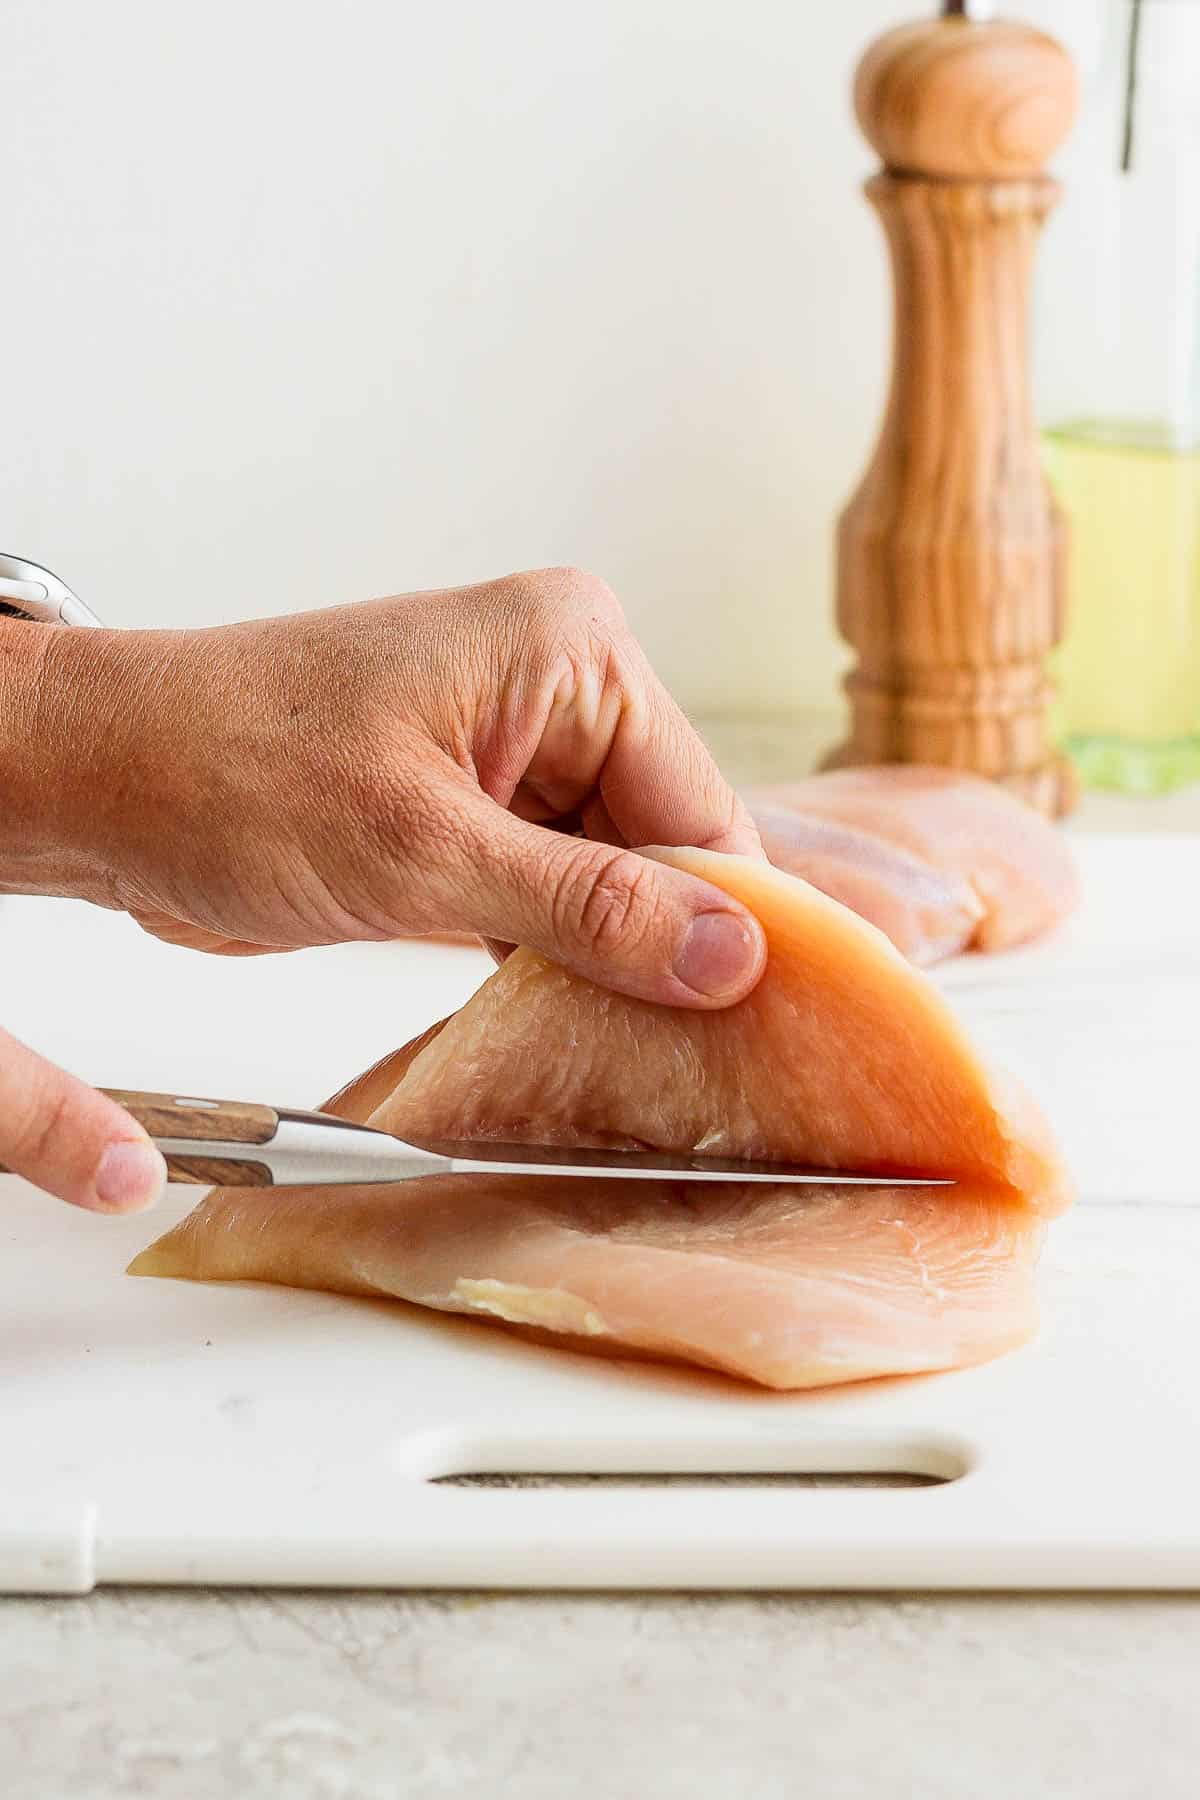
(972, 834)
(843, 1057)
(928, 913)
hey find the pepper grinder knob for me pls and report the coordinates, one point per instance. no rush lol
(965, 98)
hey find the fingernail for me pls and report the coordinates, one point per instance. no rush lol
(130, 1177)
(718, 954)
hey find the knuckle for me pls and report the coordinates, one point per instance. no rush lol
(609, 906)
(587, 592)
(566, 593)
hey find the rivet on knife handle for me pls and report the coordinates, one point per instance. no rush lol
(184, 1116)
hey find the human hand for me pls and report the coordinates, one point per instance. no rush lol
(391, 769)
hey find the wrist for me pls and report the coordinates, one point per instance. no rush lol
(60, 704)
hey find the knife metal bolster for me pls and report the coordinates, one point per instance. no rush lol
(311, 1152)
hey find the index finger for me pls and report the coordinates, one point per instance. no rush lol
(660, 784)
(69, 1139)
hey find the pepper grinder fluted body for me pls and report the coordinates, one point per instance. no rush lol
(951, 553)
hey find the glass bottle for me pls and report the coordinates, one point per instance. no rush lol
(1119, 385)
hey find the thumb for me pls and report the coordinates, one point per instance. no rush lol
(70, 1140)
(608, 913)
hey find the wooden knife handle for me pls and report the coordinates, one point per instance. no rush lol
(203, 1121)
(218, 1171)
(184, 1116)
(209, 1171)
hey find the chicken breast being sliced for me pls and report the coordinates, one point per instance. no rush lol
(940, 860)
(843, 1057)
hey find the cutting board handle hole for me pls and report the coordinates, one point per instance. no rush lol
(765, 1481)
(546, 1457)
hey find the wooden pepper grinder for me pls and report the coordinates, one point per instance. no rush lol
(951, 553)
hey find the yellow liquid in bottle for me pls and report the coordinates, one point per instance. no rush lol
(1128, 671)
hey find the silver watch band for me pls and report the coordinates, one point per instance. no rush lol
(27, 591)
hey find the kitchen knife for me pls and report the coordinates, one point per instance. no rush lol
(236, 1143)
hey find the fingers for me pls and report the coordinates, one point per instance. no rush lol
(597, 724)
(606, 912)
(660, 785)
(70, 1140)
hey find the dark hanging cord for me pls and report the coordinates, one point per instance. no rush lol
(1131, 63)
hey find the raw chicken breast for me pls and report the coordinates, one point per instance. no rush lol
(844, 1056)
(788, 1287)
(940, 860)
(928, 913)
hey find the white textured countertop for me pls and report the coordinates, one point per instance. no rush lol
(364, 1697)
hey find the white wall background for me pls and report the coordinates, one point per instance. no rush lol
(306, 302)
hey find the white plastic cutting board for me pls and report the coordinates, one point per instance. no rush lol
(165, 1432)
